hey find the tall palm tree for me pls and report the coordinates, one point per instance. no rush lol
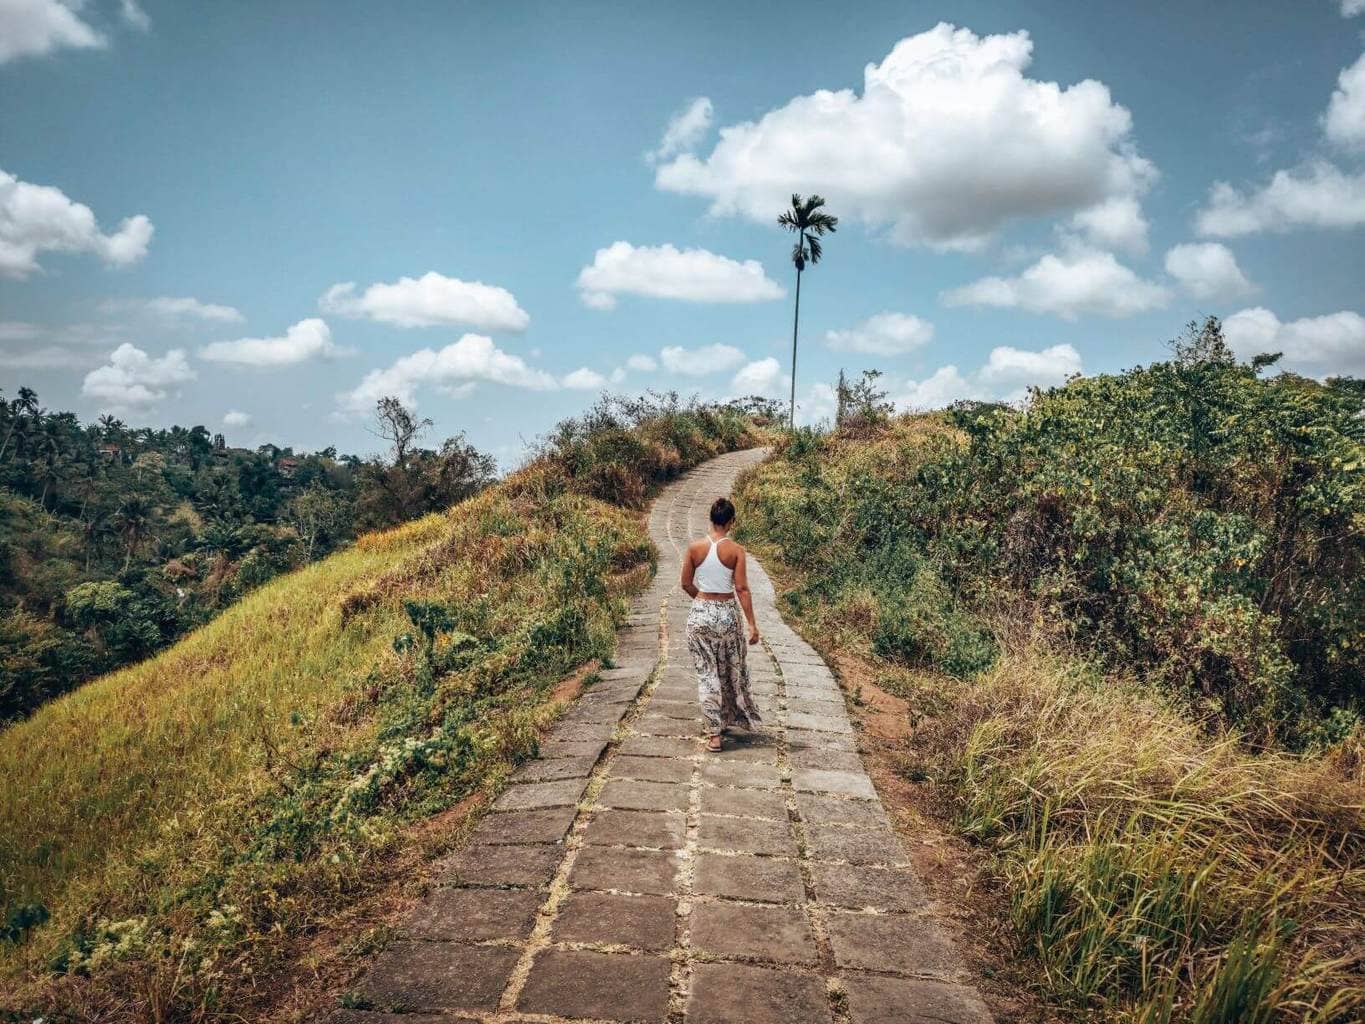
(809, 222)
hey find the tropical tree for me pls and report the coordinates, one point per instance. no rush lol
(810, 222)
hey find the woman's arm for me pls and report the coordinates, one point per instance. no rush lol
(687, 570)
(746, 600)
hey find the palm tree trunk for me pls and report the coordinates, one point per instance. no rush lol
(796, 323)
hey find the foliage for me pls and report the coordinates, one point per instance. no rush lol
(1189, 520)
(213, 805)
(178, 525)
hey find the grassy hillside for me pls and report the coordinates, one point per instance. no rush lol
(165, 828)
(1111, 613)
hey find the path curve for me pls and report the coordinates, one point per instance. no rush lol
(629, 876)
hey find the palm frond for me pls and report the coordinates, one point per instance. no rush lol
(786, 220)
(815, 250)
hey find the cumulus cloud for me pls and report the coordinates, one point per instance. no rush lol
(885, 334)
(1114, 224)
(1208, 270)
(1007, 375)
(948, 142)
(429, 301)
(1081, 281)
(1317, 346)
(236, 418)
(133, 14)
(134, 380)
(181, 308)
(472, 359)
(40, 218)
(307, 339)
(1318, 195)
(1344, 121)
(685, 130)
(666, 272)
(641, 362)
(760, 377)
(34, 28)
(1350, 8)
(584, 379)
(699, 362)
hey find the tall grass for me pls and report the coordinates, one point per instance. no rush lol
(167, 830)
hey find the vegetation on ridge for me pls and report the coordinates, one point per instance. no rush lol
(166, 832)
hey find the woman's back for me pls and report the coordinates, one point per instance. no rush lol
(712, 575)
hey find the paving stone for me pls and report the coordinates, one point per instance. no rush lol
(878, 1000)
(816, 809)
(894, 943)
(473, 915)
(550, 769)
(777, 934)
(832, 705)
(819, 780)
(747, 803)
(644, 796)
(660, 746)
(662, 725)
(580, 732)
(653, 872)
(411, 975)
(504, 865)
(594, 713)
(724, 772)
(610, 919)
(868, 888)
(541, 794)
(652, 769)
(685, 710)
(764, 879)
(663, 830)
(806, 738)
(817, 757)
(548, 825)
(730, 993)
(796, 691)
(573, 748)
(746, 835)
(855, 845)
(819, 723)
(609, 986)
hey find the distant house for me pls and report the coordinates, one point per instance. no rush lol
(287, 466)
(110, 452)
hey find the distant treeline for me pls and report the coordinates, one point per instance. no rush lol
(115, 540)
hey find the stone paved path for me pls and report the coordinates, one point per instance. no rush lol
(630, 876)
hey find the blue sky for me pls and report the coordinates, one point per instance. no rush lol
(1023, 193)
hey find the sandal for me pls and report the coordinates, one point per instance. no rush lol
(714, 745)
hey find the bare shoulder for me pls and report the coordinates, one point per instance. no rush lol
(729, 552)
(696, 551)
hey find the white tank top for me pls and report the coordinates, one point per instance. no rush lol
(712, 576)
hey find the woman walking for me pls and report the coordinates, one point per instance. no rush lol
(714, 574)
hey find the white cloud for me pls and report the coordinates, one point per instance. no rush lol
(584, 379)
(1116, 223)
(1316, 195)
(472, 359)
(820, 404)
(429, 301)
(665, 272)
(33, 28)
(1082, 281)
(1344, 121)
(168, 308)
(761, 377)
(642, 363)
(17, 330)
(685, 130)
(236, 418)
(948, 142)
(1006, 376)
(307, 339)
(885, 334)
(40, 218)
(1316, 346)
(1350, 8)
(134, 15)
(134, 380)
(698, 362)
(1208, 270)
